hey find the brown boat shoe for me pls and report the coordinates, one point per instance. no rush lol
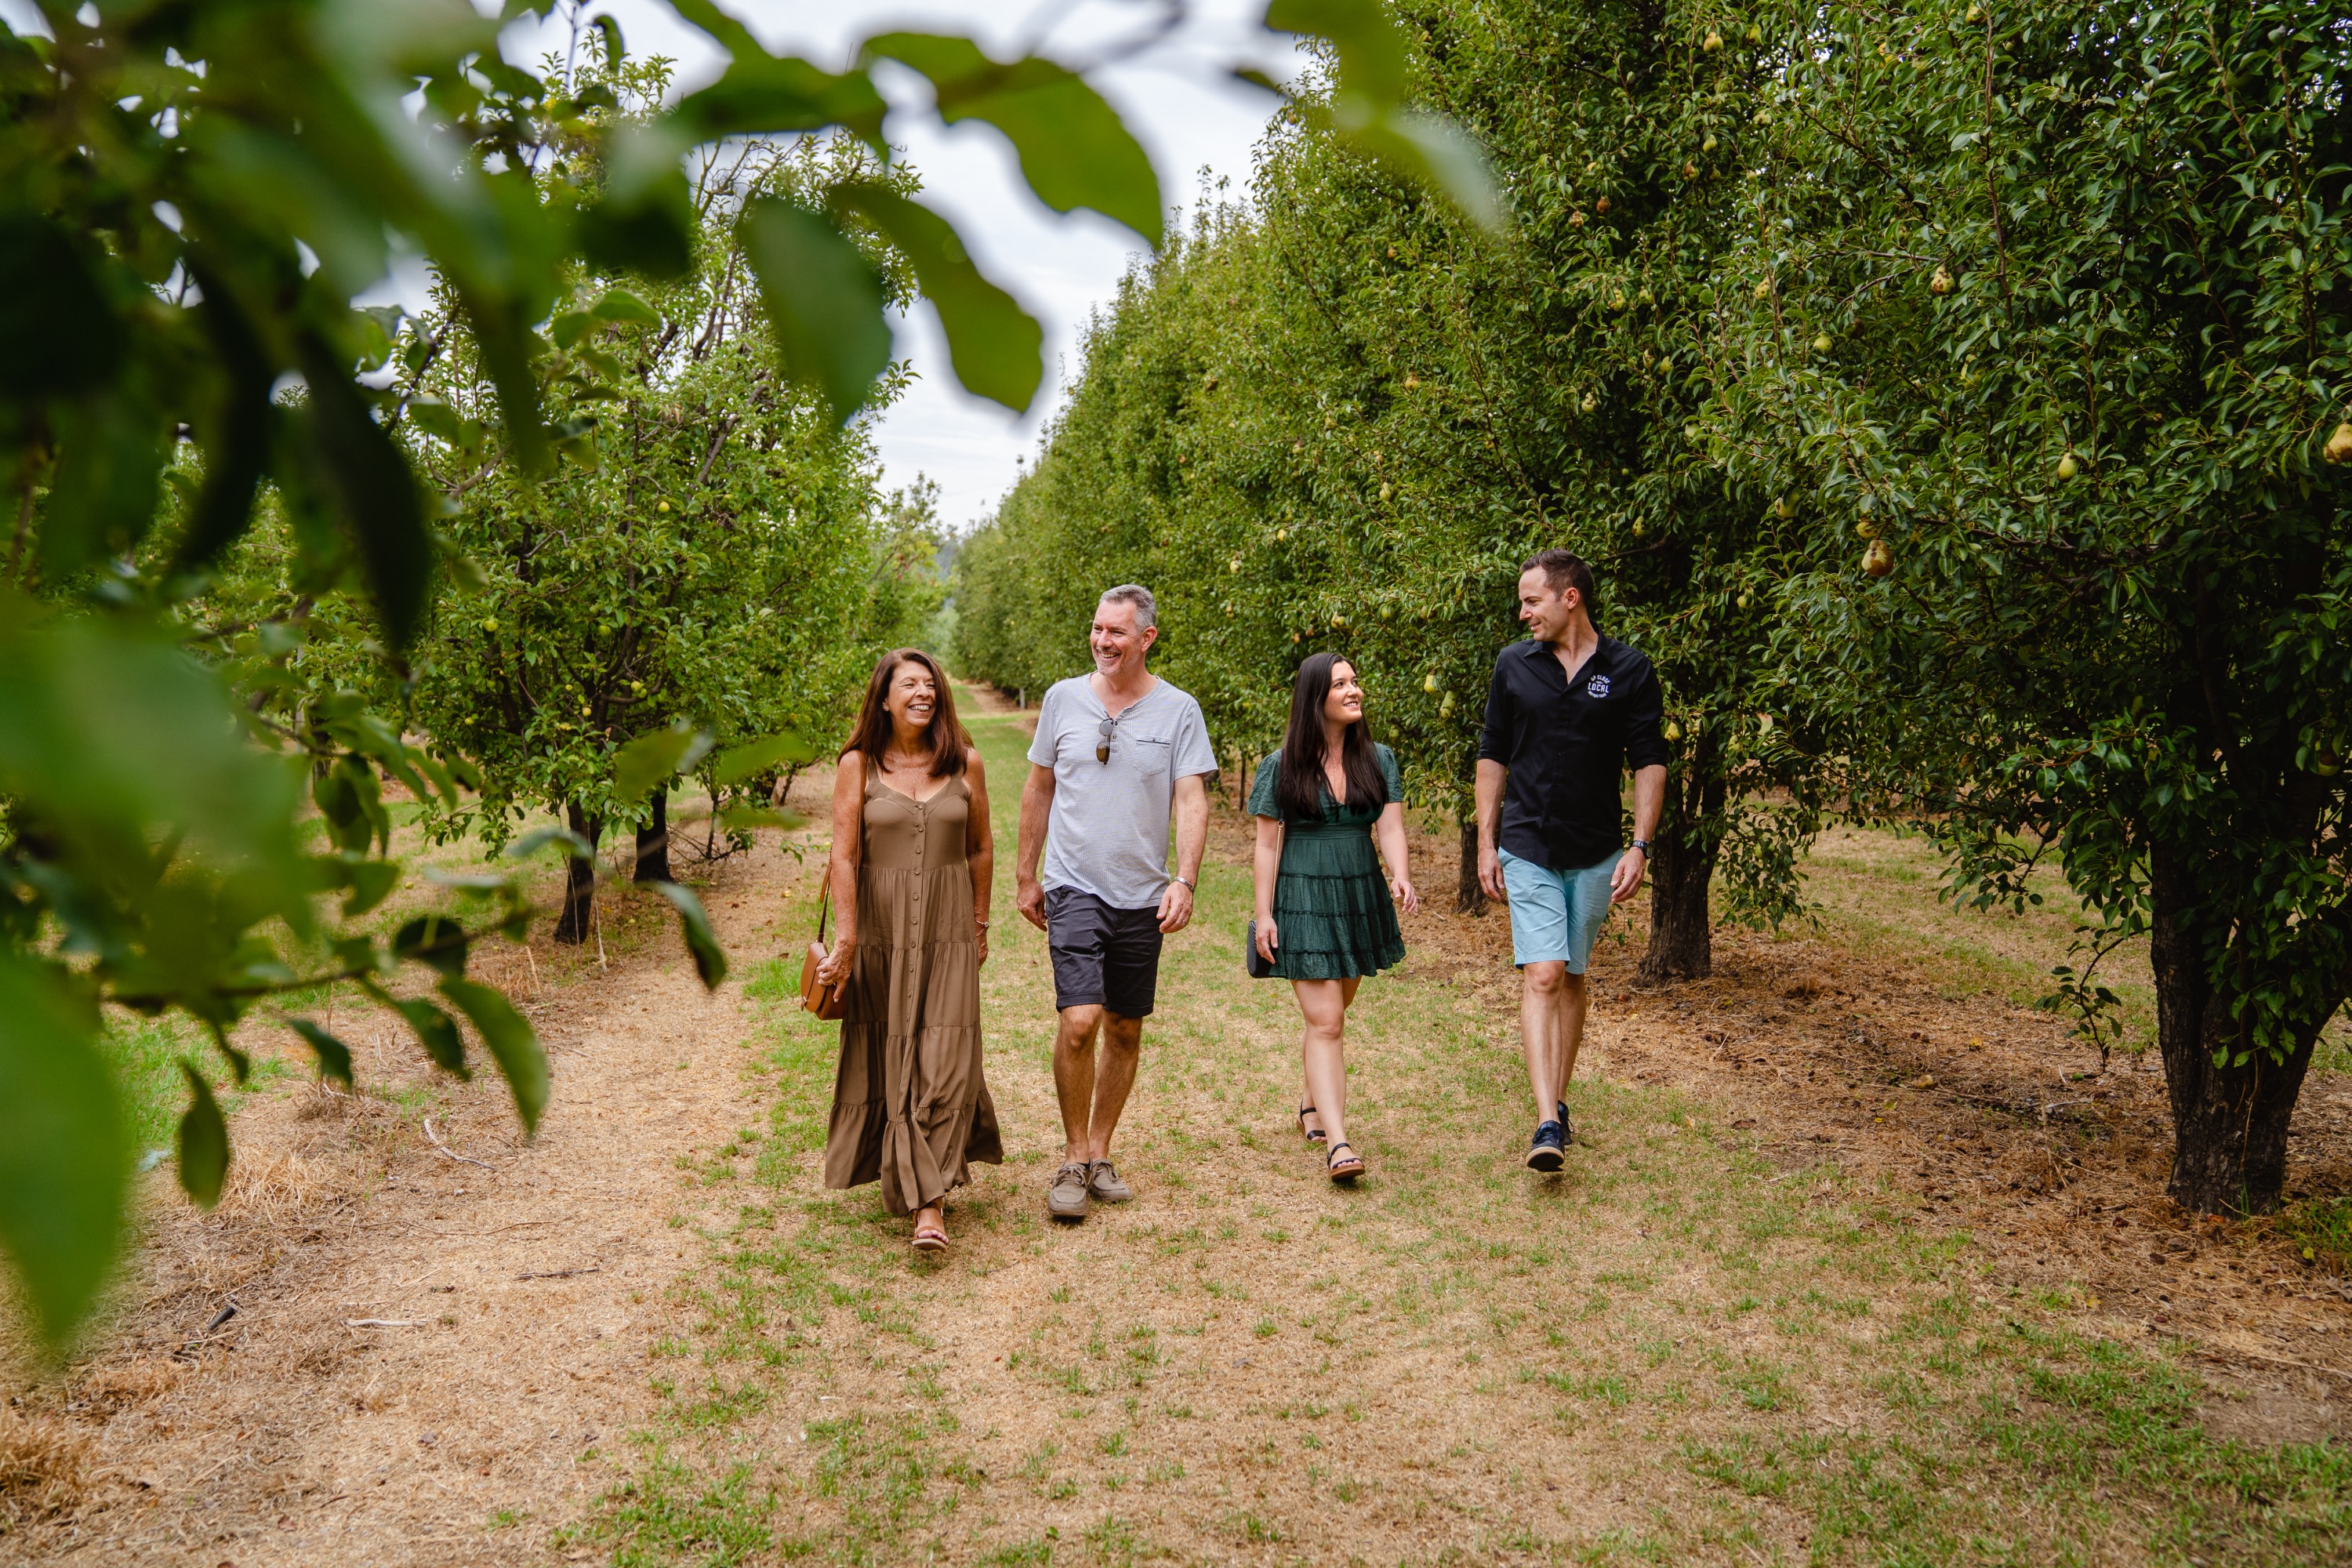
(1065, 1196)
(1105, 1185)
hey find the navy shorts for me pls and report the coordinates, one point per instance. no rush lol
(1103, 957)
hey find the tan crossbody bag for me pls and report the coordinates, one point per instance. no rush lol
(826, 1004)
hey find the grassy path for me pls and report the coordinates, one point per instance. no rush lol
(1674, 1351)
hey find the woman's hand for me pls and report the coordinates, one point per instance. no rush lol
(979, 937)
(1401, 890)
(1269, 939)
(835, 966)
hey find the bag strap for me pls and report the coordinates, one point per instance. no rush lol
(823, 905)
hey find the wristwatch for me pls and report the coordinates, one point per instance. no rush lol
(1643, 846)
(1190, 885)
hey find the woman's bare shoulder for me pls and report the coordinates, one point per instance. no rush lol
(972, 764)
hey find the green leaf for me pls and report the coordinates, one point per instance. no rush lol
(1367, 40)
(710, 958)
(512, 1043)
(57, 333)
(435, 940)
(746, 817)
(621, 305)
(538, 838)
(781, 749)
(64, 1156)
(371, 882)
(651, 759)
(1075, 150)
(110, 459)
(761, 94)
(355, 461)
(238, 433)
(437, 1032)
(994, 345)
(334, 1056)
(203, 1141)
(1439, 154)
(825, 302)
(643, 220)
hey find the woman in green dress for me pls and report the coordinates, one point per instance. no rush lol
(1325, 913)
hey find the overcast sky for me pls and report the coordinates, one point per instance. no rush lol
(1176, 96)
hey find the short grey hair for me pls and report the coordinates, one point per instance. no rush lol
(1136, 595)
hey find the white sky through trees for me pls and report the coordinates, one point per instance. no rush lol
(1196, 122)
(1177, 99)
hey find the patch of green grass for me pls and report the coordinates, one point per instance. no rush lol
(667, 1513)
(2320, 1230)
(145, 1055)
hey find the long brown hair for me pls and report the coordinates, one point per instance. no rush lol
(1299, 781)
(944, 736)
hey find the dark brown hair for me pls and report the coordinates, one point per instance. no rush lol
(1298, 781)
(944, 736)
(1563, 569)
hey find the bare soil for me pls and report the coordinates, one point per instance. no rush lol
(433, 1319)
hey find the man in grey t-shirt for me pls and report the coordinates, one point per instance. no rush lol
(1117, 752)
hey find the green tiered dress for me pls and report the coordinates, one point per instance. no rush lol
(1333, 917)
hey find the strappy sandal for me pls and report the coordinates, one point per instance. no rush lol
(1345, 1170)
(1314, 1134)
(931, 1238)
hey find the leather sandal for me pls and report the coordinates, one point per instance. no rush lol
(1314, 1134)
(931, 1238)
(1343, 1168)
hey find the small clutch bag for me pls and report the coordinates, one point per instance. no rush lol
(1259, 968)
(825, 1002)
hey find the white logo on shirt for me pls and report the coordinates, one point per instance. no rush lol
(1597, 687)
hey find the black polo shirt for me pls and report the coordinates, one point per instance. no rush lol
(1568, 746)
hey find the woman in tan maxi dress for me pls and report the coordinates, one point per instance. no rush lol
(912, 861)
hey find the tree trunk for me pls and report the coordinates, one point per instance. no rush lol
(652, 844)
(2229, 1122)
(1681, 871)
(580, 879)
(1469, 898)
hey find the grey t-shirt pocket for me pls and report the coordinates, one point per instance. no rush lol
(1152, 755)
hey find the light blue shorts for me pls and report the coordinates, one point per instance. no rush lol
(1555, 915)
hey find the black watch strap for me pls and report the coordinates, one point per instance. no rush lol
(1642, 845)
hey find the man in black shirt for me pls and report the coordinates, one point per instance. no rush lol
(1568, 712)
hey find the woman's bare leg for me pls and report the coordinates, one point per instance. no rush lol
(1324, 1004)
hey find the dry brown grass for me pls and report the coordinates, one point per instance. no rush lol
(43, 1467)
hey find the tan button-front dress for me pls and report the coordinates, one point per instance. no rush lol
(910, 1106)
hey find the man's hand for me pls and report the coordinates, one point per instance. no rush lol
(1029, 898)
(1175, 909)
(1628, 875)
(1490, 873)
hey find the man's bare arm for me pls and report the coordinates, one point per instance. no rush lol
(1491, 777)
(1036, 805)
(1192, 813)
(1649, 802)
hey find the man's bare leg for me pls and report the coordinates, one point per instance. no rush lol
(1122, 1048)
(1575, 999)
(1542, 991)
(1073, 1077)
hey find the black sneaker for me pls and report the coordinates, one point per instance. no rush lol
(1544, 1153)
(1567, 1128)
